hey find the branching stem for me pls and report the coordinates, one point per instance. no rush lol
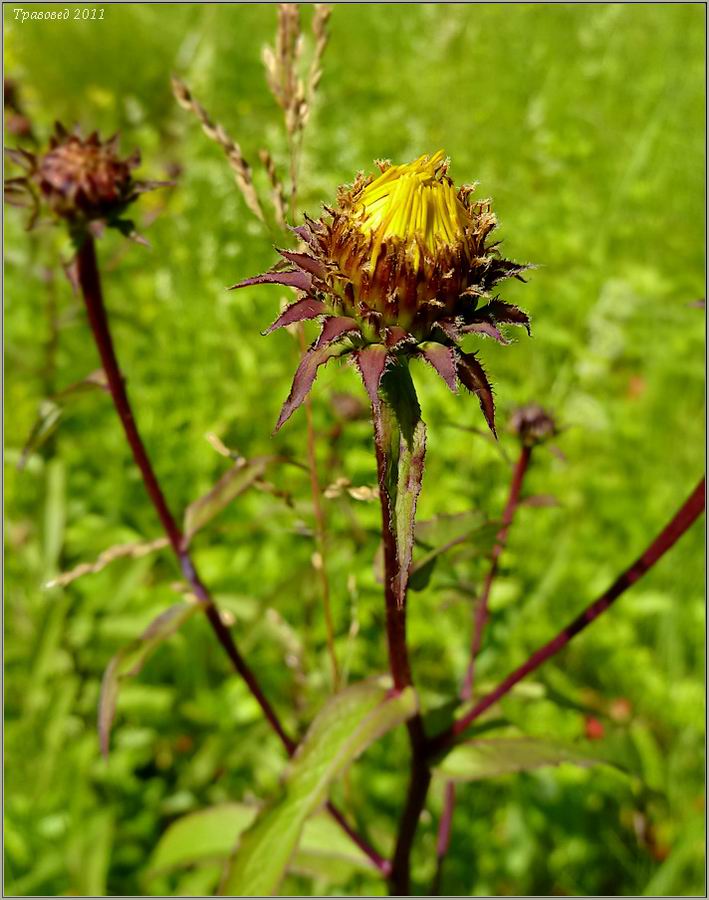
(483, 606)
(480, 618)
(670, 534)
(89, 281)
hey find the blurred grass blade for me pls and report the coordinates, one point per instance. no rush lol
(347, 725)
(52, 409)
(128, 662)
(490, 757)
(235, 481)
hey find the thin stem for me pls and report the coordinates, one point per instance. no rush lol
(482, 609)
(320, 534)
(479, 622)
(90, 285)
(380, 862)
(670, 534)
(444, 835)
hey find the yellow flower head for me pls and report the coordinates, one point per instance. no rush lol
(415, 203)
(398, 268)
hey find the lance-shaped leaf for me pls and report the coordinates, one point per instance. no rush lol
(486, 328)
(489, 757)
(233, 482)
(506, 313)
(371, 363)
(347, 725)
(400, 423)
(210, 835)
(304, 261)
(306, 308)
(334, 328)
(299, 280)
(128, 662)
(304, 378)
(444, 360)
(473, 376)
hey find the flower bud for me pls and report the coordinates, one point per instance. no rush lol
(398, 268)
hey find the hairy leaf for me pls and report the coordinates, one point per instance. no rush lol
(401, 420)
(334, 328)
(443, 359)
(304, 261)
(306, 308)
(347, 725)
(506, 313)
(299, 280)
(473, 376)
(372, 362)
(304, 378)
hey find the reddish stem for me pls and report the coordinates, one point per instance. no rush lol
(479, 621)
(670, 534)
(89, 282)
(482, 610)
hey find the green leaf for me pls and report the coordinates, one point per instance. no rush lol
(200, 837)
(401, 422)
(347, 725)
(489, 757)
(128, 662)
(235, 481)
(209, 835)
(326, 852)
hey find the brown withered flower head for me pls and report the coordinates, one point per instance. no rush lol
(533, 425)
(80, 180)
(401, 267)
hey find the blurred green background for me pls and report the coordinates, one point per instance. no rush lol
(585, 124)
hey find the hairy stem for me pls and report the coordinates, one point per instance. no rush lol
(670, 534)
(89, 282)
(420, 774)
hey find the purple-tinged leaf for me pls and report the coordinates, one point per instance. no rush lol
(444, 360)
(334, 328)
(396, 336)
(306, 308)
(371, 362)
(305, 262)
(20, 157)
(485, 328)
(304, 378)
(299, 280)
(450, 328)
(499, 311)
(473, 376)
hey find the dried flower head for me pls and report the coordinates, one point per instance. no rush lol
(398, 268)
(81, 180)
(532, 424)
